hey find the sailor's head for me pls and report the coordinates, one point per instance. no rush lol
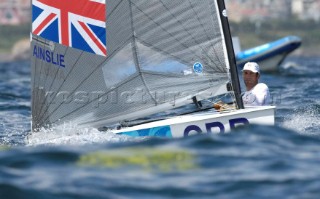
(251, 66)
(251, 74)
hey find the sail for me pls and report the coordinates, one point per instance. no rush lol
(98, 62)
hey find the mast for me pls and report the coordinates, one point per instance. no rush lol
(231, 56)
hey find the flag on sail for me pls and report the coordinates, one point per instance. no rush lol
(79, 24)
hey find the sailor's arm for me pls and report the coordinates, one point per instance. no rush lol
(262, 94)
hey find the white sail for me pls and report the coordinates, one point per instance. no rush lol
(146, 56)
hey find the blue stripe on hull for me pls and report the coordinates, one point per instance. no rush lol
(162, 131)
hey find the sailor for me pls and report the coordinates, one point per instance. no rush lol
(257, 94)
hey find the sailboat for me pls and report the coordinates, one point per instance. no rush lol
(104, 63)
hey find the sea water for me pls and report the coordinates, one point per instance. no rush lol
(251, 162)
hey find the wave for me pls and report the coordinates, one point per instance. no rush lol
(248, 160)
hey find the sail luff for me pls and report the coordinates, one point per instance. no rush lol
(44, 100)
(231, 56)
(37, 91)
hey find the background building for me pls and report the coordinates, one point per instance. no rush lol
(14, 12)
(306, 9)
(263, 10)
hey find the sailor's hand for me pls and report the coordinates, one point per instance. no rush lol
(221, 106)
(218, 106)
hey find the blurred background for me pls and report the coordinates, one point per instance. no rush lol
(259, 22)
(254, 22)
(15, 18)
(255, 162)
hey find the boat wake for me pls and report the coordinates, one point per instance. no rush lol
(304, 120)
(69, 134)
(295, 67)
(289, 65)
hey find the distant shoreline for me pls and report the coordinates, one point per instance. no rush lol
(21, 51)
(8, 57)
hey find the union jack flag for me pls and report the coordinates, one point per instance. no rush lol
(79, 24)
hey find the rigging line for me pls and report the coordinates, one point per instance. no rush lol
(135, 56)
(159, 25)
(194, 39)
(96, 68)
(174, 57)
(36, 95)
(39, 112)
(221, 33)
(224, 106)
(162, 74)
(93, 101)
(59, 106)
(103, 118)
(202, 25)
(53, 81)
(162, 51)
(76, 62)
(34, 81)
(233, 95)
(55, 94)
(220, 67)
(230, 52)
(205, 30)
(137, 75)
(45, 80)
(116, 7)
(34, 68)
(179, 84)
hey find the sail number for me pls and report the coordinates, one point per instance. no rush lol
(216, 127)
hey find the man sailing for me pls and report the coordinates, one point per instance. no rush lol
(257, 94)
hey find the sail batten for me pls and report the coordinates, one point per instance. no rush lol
(160, 53)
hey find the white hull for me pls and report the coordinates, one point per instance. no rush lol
(269, 56)
(271, 64)
(203, 122)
